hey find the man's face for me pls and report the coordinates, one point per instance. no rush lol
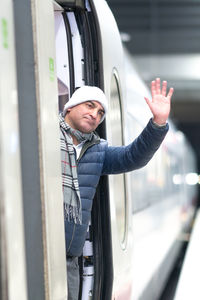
(85, 117)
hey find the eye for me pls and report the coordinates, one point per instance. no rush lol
(101, 113)
(89, 104)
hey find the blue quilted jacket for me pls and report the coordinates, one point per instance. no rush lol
(98, 159)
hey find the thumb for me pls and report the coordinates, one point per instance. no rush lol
(147, 101)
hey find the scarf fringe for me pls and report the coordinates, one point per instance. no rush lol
(72, 214)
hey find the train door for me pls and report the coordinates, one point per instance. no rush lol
(40, 151)
(78, 57)
(12, 250)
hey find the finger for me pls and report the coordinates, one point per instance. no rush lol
(164, 88)
(153, 88)
(158, 85)
(169, 95)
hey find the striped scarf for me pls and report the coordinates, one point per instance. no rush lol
(71, 193)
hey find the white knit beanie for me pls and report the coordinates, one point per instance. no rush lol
(87, 93)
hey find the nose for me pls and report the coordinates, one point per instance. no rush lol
(94, 113)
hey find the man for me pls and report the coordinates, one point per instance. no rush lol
(85, 157)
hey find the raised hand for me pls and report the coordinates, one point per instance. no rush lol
(161, 101)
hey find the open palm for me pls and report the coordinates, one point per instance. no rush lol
(161, 101)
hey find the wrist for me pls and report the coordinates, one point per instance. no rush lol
(158, 123)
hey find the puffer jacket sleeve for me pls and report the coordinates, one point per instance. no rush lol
(137, 154)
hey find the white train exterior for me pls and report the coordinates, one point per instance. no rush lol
(47, 49)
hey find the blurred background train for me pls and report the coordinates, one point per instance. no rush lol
(139, 219)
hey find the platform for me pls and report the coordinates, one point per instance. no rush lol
(188, 285)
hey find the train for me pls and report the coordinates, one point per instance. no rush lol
(48, 49)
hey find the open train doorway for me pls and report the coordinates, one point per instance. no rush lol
(79, 63)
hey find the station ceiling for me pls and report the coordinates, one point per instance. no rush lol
(163, 37)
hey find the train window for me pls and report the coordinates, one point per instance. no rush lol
(62, 64)
(70, 61)
(117, 181)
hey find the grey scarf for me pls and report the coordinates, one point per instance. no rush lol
(71, 193)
